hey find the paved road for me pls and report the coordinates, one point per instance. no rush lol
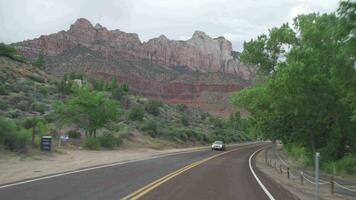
(223, 177)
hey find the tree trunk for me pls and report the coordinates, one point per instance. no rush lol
(33, 136)
(313, 142)
(94, 132)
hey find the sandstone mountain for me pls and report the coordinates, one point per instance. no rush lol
(201, 71)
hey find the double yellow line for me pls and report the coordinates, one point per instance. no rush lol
(144, 190)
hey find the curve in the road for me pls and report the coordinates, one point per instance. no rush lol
(144, 190)
(270, 196)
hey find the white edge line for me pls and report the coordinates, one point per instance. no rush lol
(108, 165)
(257, 179)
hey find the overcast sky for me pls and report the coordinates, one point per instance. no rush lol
(237, 20)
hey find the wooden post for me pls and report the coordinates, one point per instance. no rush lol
(288, 172)
(301, 178)
(332, 187)
(266, 155)
(280, 168)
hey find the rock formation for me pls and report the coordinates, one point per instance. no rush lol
(149, 67)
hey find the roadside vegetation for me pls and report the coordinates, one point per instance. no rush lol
(95, 114)
(305, 92)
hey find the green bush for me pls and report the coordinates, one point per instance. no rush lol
(153, 107)
(3, 105)
(92, 143)
(136, 114)
(185, 120)
(2, 90)
(109, 141)
(344, 166)
(150, 127)
(74, 134)
(13, 137)
(23, 105)
(18, 140)
(13, 113)
(181, 107)
(39, 107)
(37, 78)
(118, 93)
(7, 50)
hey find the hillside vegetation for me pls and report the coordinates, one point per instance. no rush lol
(95, 113)
(305, 94)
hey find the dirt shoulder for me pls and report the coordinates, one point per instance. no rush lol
(293, 184)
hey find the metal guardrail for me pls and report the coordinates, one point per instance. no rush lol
(283, 167)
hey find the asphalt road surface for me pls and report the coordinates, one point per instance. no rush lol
(201, 174)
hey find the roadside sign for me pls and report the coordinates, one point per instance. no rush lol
(46, 143)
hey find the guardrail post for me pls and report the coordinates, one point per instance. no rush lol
(317, 157)
(332, 187)
(301, 178)
(266, 155)
(288, 172)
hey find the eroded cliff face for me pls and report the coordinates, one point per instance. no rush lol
(201, 52)
(159, 68)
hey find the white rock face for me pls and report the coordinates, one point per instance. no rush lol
(200, 52)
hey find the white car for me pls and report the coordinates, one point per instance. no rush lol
(218, 145)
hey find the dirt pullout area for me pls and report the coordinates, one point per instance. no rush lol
(15, 167)
(305, 191)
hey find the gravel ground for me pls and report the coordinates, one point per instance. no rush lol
(305, 191)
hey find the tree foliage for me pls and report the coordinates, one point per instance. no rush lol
(89, 110)
(308, 97)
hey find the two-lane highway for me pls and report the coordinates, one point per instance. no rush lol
(201, 174)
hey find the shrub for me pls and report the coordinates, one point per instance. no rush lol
(3, 105)
(74, 134)
(18, 140)
(125, 88)
(109, 141)
(118, 93)
(185, 120)
(150, 127)
(92, 143)
(344, 166)
(13, 137)
(37, 78)
(13, 113)
(2, 90)
(181, 107)
(39, 107)
(136, 114)
(153, 107)
(39, 62)
(125, 101)
(7, 50)
(23, 105)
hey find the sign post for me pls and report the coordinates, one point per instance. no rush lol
(317, 156)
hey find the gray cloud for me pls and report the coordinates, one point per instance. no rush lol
(237, 20)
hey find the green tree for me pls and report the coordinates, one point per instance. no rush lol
(89, 110)
(153, 107)
(308, 94)
(37, 125)
(136, 114)
(7, 50)
(39, 62)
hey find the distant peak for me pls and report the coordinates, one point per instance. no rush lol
(81, 22)
(199, 34)
(98, 26)
(163, 37)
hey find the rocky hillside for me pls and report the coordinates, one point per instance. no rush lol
(201, 71)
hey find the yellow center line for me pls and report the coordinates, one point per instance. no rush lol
(149, 187)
